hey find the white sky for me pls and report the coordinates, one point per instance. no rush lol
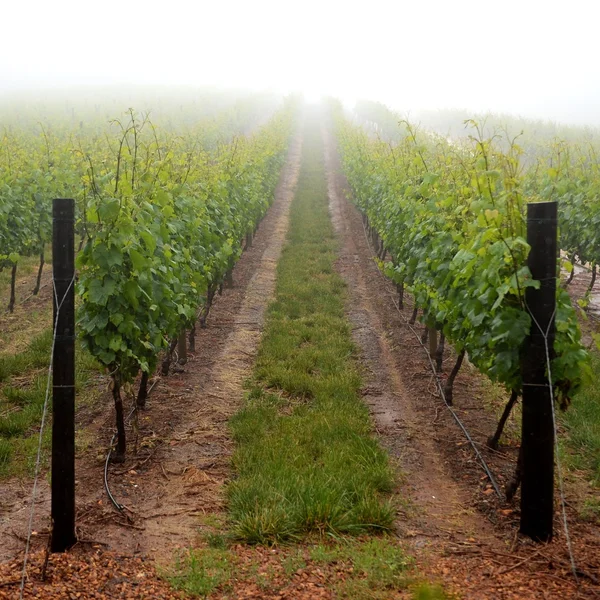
(532, 57)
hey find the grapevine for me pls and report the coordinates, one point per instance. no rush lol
(452, 217)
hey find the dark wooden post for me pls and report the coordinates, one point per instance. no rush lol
(63, 382)
(537, 488)
(182, 348)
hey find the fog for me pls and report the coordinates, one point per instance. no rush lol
(529, 57)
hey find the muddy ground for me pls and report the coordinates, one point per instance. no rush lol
(449, 516)
(182, 442)
(458, 528)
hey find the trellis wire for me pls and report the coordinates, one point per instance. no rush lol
(563, 501)
(41, 434)
(487, 470)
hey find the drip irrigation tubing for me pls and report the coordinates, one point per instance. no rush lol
(120, 507)
(41, 433)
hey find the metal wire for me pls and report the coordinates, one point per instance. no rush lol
(41, 435)
(563, 501)
(487, 470)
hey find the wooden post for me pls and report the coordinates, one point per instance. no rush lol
(182, 348)
(13, 283)
(432, 342)
(63, 377)
(537, 487)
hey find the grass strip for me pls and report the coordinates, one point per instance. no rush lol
(361, 569)
(23, 381)
(306, 459)
(199, 573)
(580, 442)
(582, 424)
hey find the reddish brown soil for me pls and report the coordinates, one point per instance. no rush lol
(455, 524)
(448, 516)
(180, 445)
(85, 573)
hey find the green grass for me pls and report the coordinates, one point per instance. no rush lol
(590, 510)
(6, 450)
(582, 424)
(199, 572)
(294, 561)
(378, 565)
(307, 464)
(306, 459)
(23, 380)
(36, 356)
(580, 443)
(426, 591)
(371, 568)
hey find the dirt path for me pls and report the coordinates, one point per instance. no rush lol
(454, 525)
(183, 443)
(442, 504)
(448, 517)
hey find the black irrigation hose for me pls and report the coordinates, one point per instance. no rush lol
(452, 412)
(116, 504)
(114, 501)
(456, 418)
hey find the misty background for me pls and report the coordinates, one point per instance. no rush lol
(535, 59)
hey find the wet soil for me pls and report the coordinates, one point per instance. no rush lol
(453, 521)
(180, 445)
(448, 515)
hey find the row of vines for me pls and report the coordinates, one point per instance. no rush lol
(570, 174)
(161, 217)
(452, 219)
(558, 163)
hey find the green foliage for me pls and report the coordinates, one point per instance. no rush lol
(570, 174)
(453, 218)
(35, 167)
(164, 223)
(163, 214)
